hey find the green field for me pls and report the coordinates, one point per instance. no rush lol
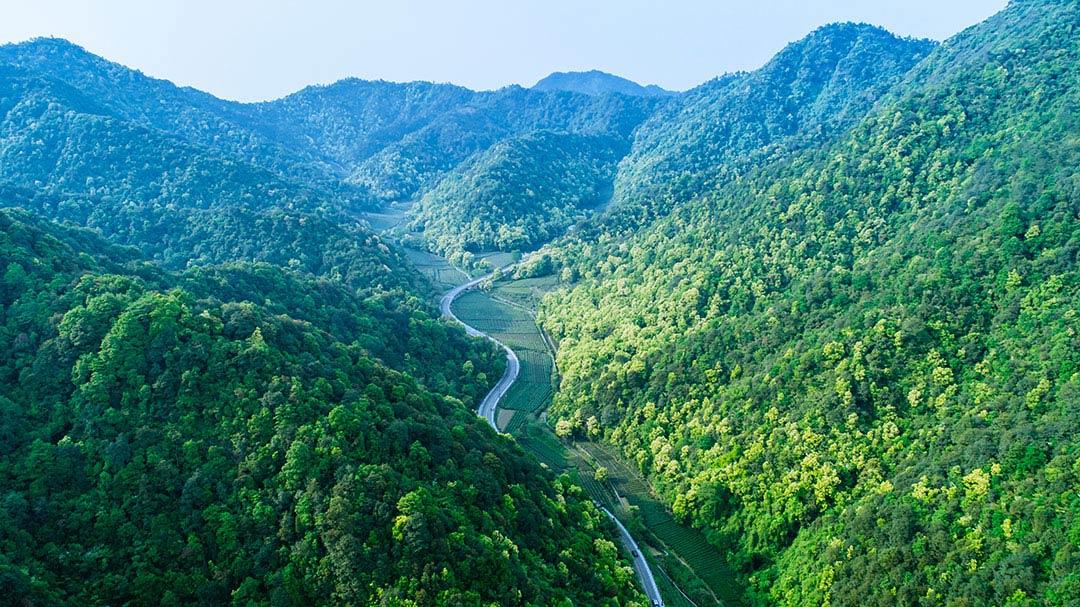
(497, 259)
(687, 561)
(515, 328)
(684, 560)
(525, 292)
(389, 218)
(439, 271)
(537, 439)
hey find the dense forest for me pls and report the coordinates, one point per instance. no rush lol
(170, 440)
(827, 308)
(518, 194)
(857, 366)
(231, 390)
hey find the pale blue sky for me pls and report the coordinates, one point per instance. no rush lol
(251, 49)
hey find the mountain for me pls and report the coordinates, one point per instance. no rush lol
(517, 194)
(199, 119)
(231, 390)
(169, 440)
(826, 308)
(595, 82)
(413, 165)
(813, 90)
(854, 364)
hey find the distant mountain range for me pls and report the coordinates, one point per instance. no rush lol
(595, 82)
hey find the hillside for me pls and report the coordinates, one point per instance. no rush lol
(518, 194)
(170, 441)
(595, 82)
(811, 92)
(414, 164)
(856, 366)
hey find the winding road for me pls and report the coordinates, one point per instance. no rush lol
(490, 403)
(641, 566)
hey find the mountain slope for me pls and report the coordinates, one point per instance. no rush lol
(66, 156)
(810, 92)
(226, 128)
(857, 367)
(169, 441)
(518, 194)
(415, 163)
(595, 82)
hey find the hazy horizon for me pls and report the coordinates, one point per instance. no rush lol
(247, 51)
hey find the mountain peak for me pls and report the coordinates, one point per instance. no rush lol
(595, 82)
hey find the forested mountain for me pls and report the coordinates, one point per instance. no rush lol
(518, 194)
(147, 161)
(857, 366)
(169, 439)
(184, 426)
(223, 127)
(414, 164)
(349, 121)
(595, 82)
(810, 92)
(829, 309)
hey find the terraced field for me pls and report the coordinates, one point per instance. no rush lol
(540, 441)
(443, 275)
(505, 314)
(514, 327)
(525, 292)
(497, 259)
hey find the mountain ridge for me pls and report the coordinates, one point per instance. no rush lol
(596, 82)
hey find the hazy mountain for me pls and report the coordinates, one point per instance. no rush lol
(595, 82)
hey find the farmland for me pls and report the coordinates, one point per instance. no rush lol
(516, 328)
(684, 561)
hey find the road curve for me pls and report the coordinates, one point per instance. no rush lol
(641, 566)
(490, 403)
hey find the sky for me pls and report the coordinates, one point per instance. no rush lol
(251, 50)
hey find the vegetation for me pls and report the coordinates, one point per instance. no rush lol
(595, 82)
(515, 328)
(418, 160)
(811, 92)
(856, 367)
(518, 194)
(169, 440)
(829, 320)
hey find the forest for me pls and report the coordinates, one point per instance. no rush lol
(857, 366)
(824, 311)
(168, 440)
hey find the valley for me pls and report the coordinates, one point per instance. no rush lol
(806, 334)
(505, 309)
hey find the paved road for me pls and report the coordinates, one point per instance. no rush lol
(490, 403)
(641, 566)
